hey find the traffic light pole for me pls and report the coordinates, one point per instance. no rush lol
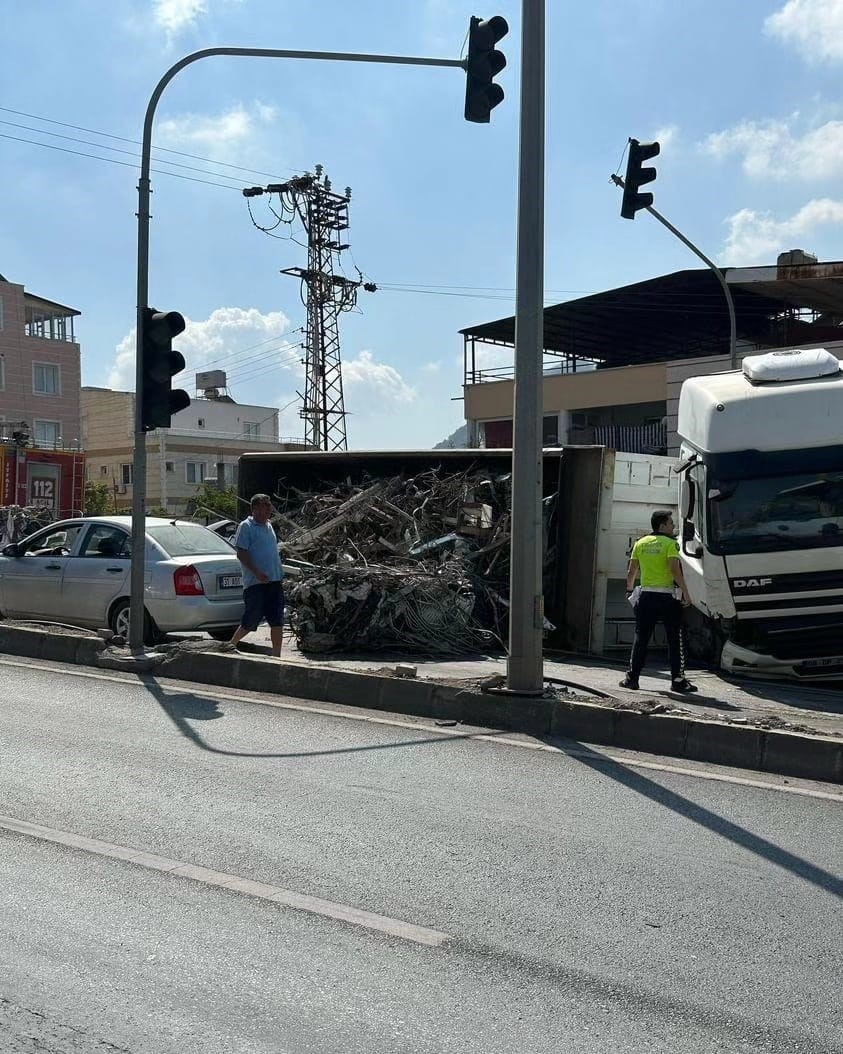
(721, 278)
(136, 609)
(525, 674)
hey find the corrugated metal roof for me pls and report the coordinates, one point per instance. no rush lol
(684, 315)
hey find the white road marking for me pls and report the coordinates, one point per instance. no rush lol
(595, 754)
(277, 895)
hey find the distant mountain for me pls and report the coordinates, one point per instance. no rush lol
(456, 440)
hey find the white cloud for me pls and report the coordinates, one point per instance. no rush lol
(432, 367)
(758, 237)
(175, 15)
(771, 149)
(667, 136)
(217, 341)
(379, 380)
(813, 27)
(215, 133)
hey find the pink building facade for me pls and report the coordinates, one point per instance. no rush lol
(40, 369)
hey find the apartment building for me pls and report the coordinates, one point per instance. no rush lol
(204, 442)
(614, 362)
(40, 374)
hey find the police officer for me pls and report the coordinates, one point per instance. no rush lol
(662, 596)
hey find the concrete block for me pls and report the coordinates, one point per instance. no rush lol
(510, 712)
(418, 699)
(655, 733)
(60, 647)
(587, 722)
(724, 744)
(301, 682)
(811, 757)
(406, 669)
(17, 640)
(353, 689)
(203, 667)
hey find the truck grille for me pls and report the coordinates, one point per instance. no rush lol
(805, 637)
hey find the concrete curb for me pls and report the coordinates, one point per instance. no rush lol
(787, 753)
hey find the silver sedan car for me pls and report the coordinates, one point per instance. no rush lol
(77, 572)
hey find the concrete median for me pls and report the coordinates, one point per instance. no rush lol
(817, 757)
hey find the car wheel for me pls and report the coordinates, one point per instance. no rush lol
(222, 634)
(118, 621)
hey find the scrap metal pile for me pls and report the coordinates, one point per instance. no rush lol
(18, 521)
(417, 564)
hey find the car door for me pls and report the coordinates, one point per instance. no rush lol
(97, 574)
(30, 583)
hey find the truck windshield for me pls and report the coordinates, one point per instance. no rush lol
(799, 511)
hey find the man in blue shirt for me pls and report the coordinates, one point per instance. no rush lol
(257, 551)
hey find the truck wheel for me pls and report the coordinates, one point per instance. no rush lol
(705, 643)
(118, 622)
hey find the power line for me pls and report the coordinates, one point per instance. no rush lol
(135, 142)
(114, 161)
(237, 357)
(116, 150)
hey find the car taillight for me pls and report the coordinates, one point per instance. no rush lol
(187, 582)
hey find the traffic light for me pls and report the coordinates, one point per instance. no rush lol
(159, 401)
(636, 177)
(483, 64)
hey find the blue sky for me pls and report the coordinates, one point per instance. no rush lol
(743, 96)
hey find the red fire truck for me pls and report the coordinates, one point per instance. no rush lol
(51, 479)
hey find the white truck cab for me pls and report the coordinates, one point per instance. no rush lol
(761, 503)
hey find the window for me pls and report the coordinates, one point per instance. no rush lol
(104, 540)
(46, 379)
(251, 428)
(127, 475)
(195, 471)
(103, 470)
(46, 433)
(201, 422)
(170, 466)
(188, 539)
(51, 542)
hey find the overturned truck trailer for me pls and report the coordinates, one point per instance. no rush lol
(432, 526)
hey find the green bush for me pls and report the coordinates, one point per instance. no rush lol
(208, 499)
(99, 498)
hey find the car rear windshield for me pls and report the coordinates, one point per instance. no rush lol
(188, 539)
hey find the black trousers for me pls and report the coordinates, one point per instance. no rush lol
(651, 609)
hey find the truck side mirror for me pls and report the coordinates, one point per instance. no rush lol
(10, 550)
(688, 531)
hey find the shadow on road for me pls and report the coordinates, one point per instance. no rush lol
(698, 814)
(181, 706)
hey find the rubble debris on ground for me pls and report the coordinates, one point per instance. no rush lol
(419, 563)
(19, 521)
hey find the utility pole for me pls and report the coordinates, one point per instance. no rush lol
(324, 216)
(143, 214)
(525, 674)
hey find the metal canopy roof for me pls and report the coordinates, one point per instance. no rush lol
(684, 315)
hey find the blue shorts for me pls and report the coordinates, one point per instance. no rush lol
(263, 601)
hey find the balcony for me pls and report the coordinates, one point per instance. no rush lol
(631, 439)
(47, 321)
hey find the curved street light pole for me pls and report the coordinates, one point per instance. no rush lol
(136, 612)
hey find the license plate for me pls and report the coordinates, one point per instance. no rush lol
(230, 581)
(816, 664)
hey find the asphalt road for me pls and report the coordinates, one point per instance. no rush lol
(584, 905)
